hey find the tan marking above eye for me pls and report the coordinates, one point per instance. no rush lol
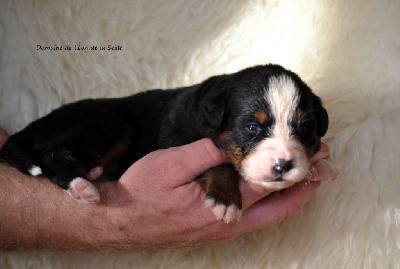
(261, 116)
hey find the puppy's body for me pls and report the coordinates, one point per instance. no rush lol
(266, 120)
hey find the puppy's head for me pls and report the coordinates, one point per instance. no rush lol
(267, 121)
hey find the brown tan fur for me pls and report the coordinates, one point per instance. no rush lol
(232, 152)
(261, 116)
(222, 182)
(117, 151)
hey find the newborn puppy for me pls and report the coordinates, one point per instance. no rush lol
(265, 119)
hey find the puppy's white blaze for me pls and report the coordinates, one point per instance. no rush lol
(35, 171)
(283, 97)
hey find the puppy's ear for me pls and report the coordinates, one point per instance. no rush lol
(322, 121)
(321, 116)
(212, 101)
(213, 109)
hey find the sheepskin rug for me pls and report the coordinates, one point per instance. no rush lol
(348, 51)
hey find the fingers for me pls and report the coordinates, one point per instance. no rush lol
(324, 147)
(204, 152)
(199, 157)
(323, 170)
(3, 137)
(187, 162)
(274, 209)
(323, 153)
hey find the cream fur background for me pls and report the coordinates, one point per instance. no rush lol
(348, 51)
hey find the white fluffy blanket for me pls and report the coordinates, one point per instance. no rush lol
(348, 51)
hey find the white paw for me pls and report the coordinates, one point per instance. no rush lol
(322, 170)
(83, 191)
(35, 171)
(222, 212)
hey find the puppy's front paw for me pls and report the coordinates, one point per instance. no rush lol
(221, 185)
(83, 191)
(228, 213)
(322, 170)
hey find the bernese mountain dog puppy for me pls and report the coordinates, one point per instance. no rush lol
(265, 119)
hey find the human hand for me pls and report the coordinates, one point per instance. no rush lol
(321, 168)
(158, 204)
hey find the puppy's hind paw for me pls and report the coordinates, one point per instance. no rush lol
(83, 191)
(227, 213)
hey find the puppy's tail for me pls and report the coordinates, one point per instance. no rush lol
(14, 154)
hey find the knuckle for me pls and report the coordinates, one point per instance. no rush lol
(175, 164)
(213, 151)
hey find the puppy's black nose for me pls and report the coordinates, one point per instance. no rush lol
(282, 165)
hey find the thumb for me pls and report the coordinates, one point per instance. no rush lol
(196, 158)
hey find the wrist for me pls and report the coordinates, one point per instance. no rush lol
(71, 226)
(110, 218)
